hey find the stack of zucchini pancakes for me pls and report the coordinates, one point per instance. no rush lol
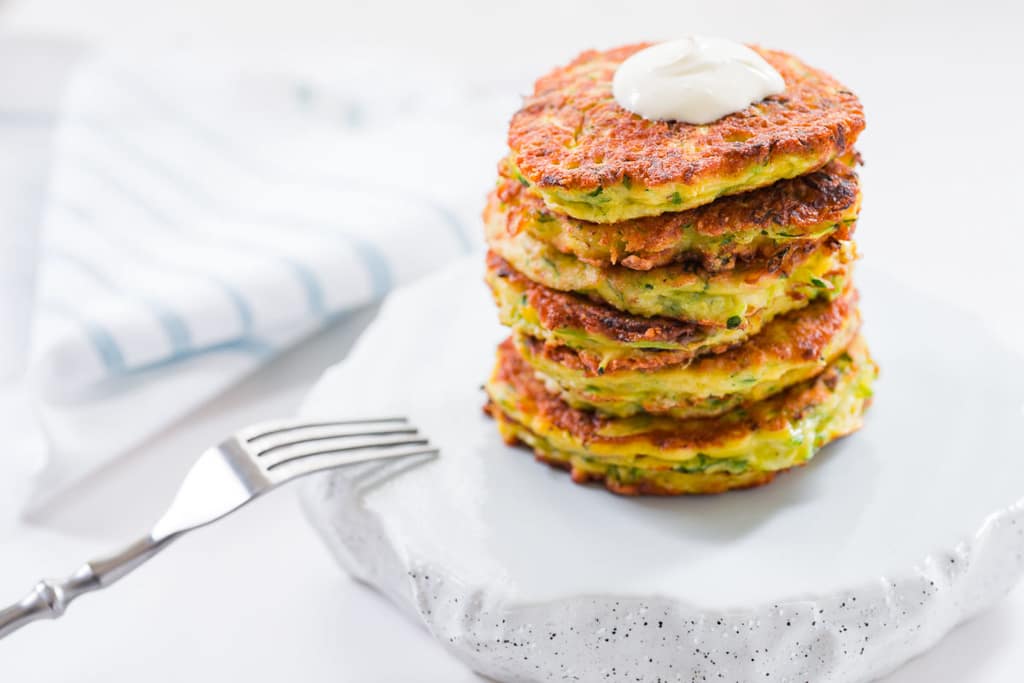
(680, 296)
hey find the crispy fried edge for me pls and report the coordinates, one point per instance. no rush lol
(816, 116)
(514, 434)
(800, 335)
(810, 203)
(772, 414)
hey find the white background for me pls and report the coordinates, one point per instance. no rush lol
(257, 598)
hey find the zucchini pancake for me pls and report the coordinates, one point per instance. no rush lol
(589, 158)
(651, 454)
(790, 349)
(680, 294)
(741, 228)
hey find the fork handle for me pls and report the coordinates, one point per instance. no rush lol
(49, 599)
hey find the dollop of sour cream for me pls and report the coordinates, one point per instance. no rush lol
(697, 79)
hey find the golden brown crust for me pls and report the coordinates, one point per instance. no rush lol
(695, 433)
(826, 196)
(802, 335)
(558, 310)
(641, 483)
(621, 287)
(710, 484)
(570, 133)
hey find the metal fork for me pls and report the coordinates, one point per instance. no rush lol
(224, 478)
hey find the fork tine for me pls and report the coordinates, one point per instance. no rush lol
(317, 461)
(263, 447)
(346, 444)
(271, 428)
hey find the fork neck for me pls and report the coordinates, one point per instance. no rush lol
(107, 570)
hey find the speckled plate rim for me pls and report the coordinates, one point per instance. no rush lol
(838, 639)
(855, 634)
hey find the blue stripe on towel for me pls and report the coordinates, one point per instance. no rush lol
(102, 341)
(174, 327)
(109, 352)
(447, 216)
(376, 263)
(230, 150)
(199, 195)
(245, 316)
(158, 216)
(252, 347)
(307, 279)
(311, 284)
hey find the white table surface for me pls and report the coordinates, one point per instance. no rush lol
(256, 597)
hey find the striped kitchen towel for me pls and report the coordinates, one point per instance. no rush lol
(200, 218)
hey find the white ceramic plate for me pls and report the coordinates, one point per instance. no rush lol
(837, 572)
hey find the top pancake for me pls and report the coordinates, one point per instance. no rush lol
(589, 158)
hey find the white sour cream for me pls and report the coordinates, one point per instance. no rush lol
(697, 80)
